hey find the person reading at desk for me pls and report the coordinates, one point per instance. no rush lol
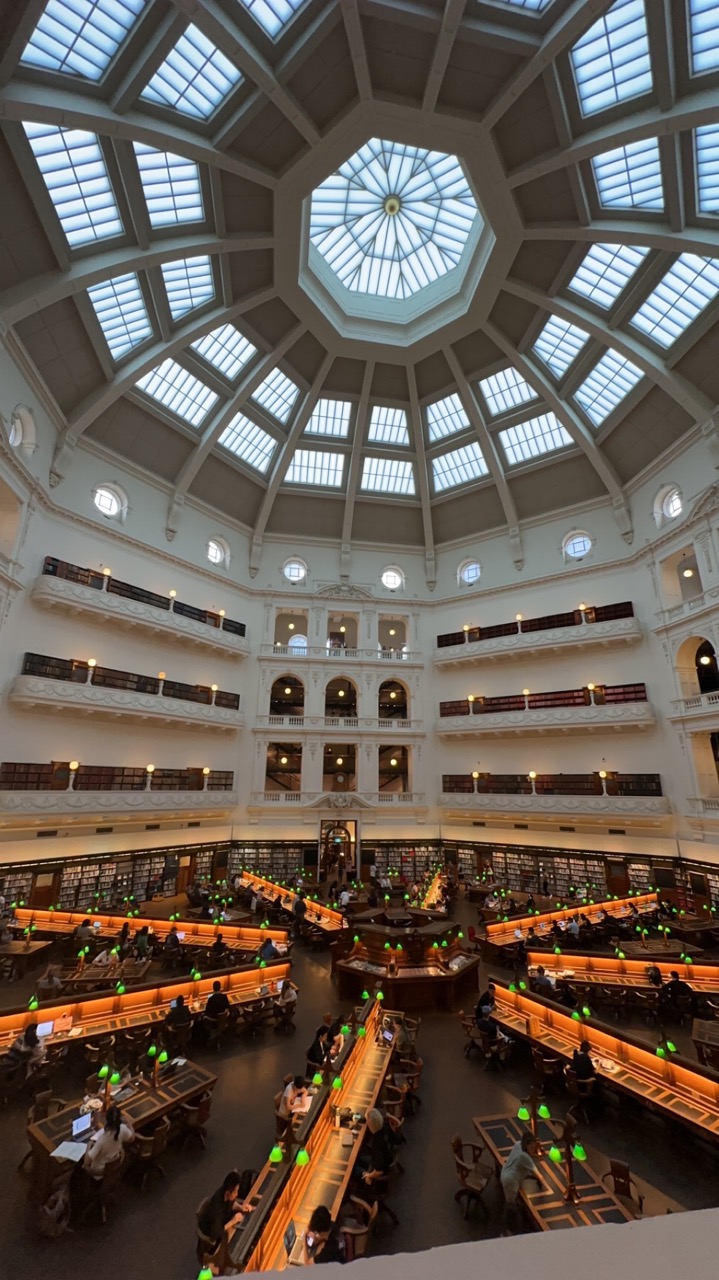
(383, 1143)
(584, 1068)
(218, 1002)
(27, 1049)
(543, 984)
(293, 1094)
(173, 946)
(218, 950)
(283, 1006)
(115, 1135)
(485, 1004)
(50, 984)
(518, 1166)
(268, 950)
(179, 1016)
(83, 933)
(106, 959)
(141, 944)
(322, 1241)
(677, 990)
(223, 1211)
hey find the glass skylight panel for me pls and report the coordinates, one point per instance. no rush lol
(607, 385)
(330, 418)
(393, 219)
(531, 439)
(248, 442)
(387, 475)
(630, 177)
(611, 60)
(80, 37)
(687, 288)
(529, 6)
(458, 467)
(171, 185)
(272, 15)
(446, 417)
(706, 149)
(310, 467)
(225, 349)
(704, 31)
(121, 311)
(179, 391)
(505, 390)
(189, 283)
(605, 271)
(74, 172)
(559, 344)
(388, 426)
(277, 394)
(194, 78)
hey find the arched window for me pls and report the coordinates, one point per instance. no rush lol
(668, 505)
(298, 644)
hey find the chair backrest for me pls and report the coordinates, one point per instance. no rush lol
(159, 1137)
(570, 1076)
(461, 1165)
(538, 1062)
(621, 1177)
(40, 1107)
(112, 1173)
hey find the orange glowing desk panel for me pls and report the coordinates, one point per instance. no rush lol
(198, 932)
(317, 914)
(620, 908)
(669, 1084)
(112, 1013)
(607, 972)
(326, 1178)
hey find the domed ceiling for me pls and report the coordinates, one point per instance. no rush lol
(450, 265)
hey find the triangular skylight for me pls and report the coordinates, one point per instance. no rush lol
(446, 417)
(277, 394)
(458, 467)
(121, 311)
(194, 78)
(605, 272)
(388, 426)
(189, 283)
(611, 60)
(543, 434)
(687, 288)
(330, 418)
(171, 185)
(559, 344)
(706, 143)
(311, 467)
(248, 442)
(225, 349)
(387, 475)
(704, 35)
(630, 177)
(73, 170)
(179, 391)
(609, 382)
(272, 15)
(505, 390)
(80, 37)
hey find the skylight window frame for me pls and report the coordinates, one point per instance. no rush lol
(181, 50)
(301, 458)
(117, 319)
(434, 422)
(469, 448)
(258, 445)
(559, 341)
(223, 343)
(701, 72)
(549, 428)
(634, 168)
(85, 35)
(710, 148)
(343, 420)
(389, 432)
(407, 486)
(170, 269)
(93, 154)
(610, 109)
(195, 388)
(276, 397)
(284, 26)
(152, 165)
(509, 393)
(610, 357)
(667, 307)
(610, 264)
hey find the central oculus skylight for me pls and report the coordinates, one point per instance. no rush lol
(393, 219)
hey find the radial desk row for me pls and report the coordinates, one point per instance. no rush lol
(606, 971)
(199, 933)
(509, 932)
(273, 894)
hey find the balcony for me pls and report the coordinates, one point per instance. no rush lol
(697, 713)
(62, 788)
(592, 709)
(582, 795)
(336, 799)
(313, 652)
(83, 687)
(704, 603)
(346, 724)
(600, 625)
(77, 590)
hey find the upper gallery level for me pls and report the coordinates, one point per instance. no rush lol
(325, 632)
(591, 709)
(605, 625)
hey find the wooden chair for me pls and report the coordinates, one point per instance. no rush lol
(473, 1173)
(646, 1003)
(43, 1106)
(381, 1188)
(580, 1090)
(206, 1250)
(411, 1026)
(216, 1028)
(193, 1119)
(393, 1100)
(356, 1228)
(623, 1185)
(100, 1192)
(178, 1038)
(286, 1018)
(548, 1068)
(147, 1149)
(470, 1032)
(496, 1051)
(613, 1001)
(683, 1008)
(12, 1082)
(411, 1069)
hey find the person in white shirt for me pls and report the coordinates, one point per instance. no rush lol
(286, 1001)
(573, 927)
(344, 898)
(518, 1166)
(292, 1093)
(110, 1143)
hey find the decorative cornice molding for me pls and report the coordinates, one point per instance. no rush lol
(629, 715)
(622, 630)
(580, 806)
(35, 691)
(60, 803)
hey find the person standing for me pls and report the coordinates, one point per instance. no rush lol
(518, 1166)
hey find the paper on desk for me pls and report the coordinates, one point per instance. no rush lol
(69, 1151)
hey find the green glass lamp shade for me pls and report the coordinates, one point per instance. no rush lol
(444, 942)
(32, 1004)
(25, 932)
(579, 1153)
(52, 908)
(638, 929)
(80, 953)
(543, 1111)
(682, 912)
(276, 1155)
(386, 946)
(688, 960)
(163, 1057)
(197, 975)
(380, 996)
(460, 934)
(576, 1015)
(522, 985)
(555, 1154)
(302, 1157)
(512, 986)
(671, 1046)
(435, 946)
(216, 920)
(205, 1273)
(557, 951)
(13, 905)
(257, 960)
(120, 988)
(265, 924)
(362, 1031)
(103, 1072)
(523, 1113)
(406, 897)
(152, 1051)
(621, 955)
(586, 1011)
(365, 995)
(505, 919)
(263, 964)
(661, 1051)
(317, 1079)
(356, 938)
(399, 947)
(386, 897)
(337, 1082)
(559, 906)
(344, 1029)
(115, 1078)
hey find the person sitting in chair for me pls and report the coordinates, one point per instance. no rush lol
(383, 1143)
(223, 1211)
(284, 1005)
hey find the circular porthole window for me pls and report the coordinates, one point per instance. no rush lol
(110, 501)
(294, 570)
(469, 573)
(218, 552)
(577, 545)
(392, 578)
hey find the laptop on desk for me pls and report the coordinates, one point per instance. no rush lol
(81, 1127)
(294, 1245)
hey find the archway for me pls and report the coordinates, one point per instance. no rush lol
(287, 696)
(341, 699)
(392, 702)
(694, 676)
